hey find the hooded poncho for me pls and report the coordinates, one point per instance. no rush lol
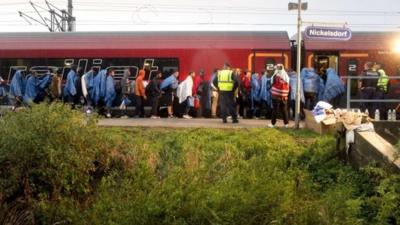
(110, 91)
(70, 85)
(255, 88)
(99, 86)
(17, 86)
(293, 87)
(265, 94)
(310, 80)
(333, 87)
(185, 89)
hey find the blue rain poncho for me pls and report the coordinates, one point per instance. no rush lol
(310, 80)
(255, 88)
(3, 92)
(265, 93)
(293, 87)
(17, 86)
(89, 82)
(70, 89)
(110, 91)
(333, 87)
(99, 86)
(171, 82)
(43, 82)
(30, 89)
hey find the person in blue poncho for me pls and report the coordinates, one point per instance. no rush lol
(43, 83)
(70, 91)
(311, 84)
(17, 88)
(265, 93)
(168, 87)
(87, 83)
(292, 94)
(110, 92)
(333, 89)
(255, 95)
(99, 88)
(3, 91)
(30, 88)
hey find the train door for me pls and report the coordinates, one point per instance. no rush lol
(325, 61)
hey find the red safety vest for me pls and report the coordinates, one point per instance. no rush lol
(279, 88)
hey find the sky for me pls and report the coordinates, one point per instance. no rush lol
(227, 15)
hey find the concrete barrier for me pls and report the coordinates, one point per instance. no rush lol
(389, 130)
(370, 147)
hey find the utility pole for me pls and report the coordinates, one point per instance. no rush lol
(299, 6)
(58, 19)
(71, 19)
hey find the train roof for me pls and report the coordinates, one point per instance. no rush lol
(145, 40)
(384, 41)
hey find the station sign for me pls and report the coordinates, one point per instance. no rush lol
(328, 33)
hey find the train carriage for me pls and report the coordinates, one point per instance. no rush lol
(164, 51)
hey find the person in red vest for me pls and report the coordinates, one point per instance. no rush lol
(280, 93)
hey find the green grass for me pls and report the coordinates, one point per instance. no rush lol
(92, 175)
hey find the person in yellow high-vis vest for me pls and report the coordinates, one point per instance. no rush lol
(382, 88)
(226, 83)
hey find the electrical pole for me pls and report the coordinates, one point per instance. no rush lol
(58, 19)
(299, 6)
(71, 19)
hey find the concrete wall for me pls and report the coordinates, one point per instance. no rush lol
(370, 147)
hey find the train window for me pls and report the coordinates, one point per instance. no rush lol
(326, 61)
(9, 66)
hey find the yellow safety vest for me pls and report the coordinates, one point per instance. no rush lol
(383, 80)
(225, 82)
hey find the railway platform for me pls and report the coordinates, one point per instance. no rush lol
(190, 123)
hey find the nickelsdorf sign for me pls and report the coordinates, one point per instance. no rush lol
(330, 33)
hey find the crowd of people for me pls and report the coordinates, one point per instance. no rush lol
(228, 93)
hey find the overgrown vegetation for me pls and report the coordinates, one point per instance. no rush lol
(57, 167)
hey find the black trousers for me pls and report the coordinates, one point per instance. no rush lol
(154, 105)
(282, 106)
(310, 100)
(139, 106)
(227, 104)
(369, 93)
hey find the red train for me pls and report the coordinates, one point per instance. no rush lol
(162, 51)
(187, 51)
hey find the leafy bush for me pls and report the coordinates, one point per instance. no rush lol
(67, 170)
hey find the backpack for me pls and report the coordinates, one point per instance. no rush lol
(280, 88)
